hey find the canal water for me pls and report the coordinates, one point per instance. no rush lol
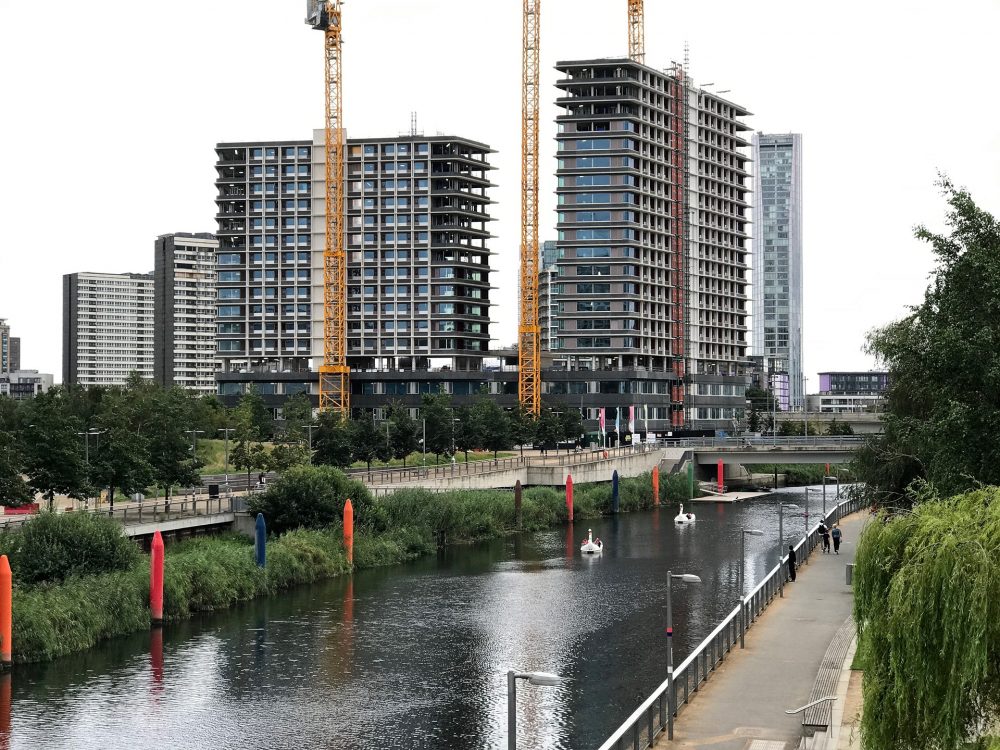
(415, 656)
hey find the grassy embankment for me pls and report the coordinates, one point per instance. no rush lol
(70, 608)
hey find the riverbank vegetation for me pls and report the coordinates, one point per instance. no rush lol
(78, 581)
(927, 575)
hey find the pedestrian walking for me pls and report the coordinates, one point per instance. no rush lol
(825, 533)
(836, 539)
(791, 562)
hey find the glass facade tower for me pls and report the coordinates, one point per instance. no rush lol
(777, 254)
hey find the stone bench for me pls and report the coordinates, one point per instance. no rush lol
(818, 717)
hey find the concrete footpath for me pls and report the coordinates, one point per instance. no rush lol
(742, 706)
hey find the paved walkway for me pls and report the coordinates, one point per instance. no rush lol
(742, 707)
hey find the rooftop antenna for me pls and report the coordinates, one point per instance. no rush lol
(687, 57)
(413, 123)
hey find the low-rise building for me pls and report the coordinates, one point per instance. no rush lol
(24, 384)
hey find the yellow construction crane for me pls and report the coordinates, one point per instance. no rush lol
(334, 374)
(529, 378)
(636, 32)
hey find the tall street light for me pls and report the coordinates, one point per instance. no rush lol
(546, 679)
(743, 575)
(684, 578)
(826, 478)
(781, 543)
(225, 431)
(86, 450)
(310, 428)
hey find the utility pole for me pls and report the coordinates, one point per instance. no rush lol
(225, 431)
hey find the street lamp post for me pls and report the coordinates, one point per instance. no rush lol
(534, 678)
(423, 443)
(310, 428)
(194, 443)
(86, 452)
(837, 497)
(685, 578)
(743, 575)
(781, 544)
(805, 539)
(225, 431)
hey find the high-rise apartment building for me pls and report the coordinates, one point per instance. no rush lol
(418, 259)
(184, 311)
(15, 353)
(418, 288)
(777, 267)
(264, 260)
(652, 240)
(107, 327)
(6, 348)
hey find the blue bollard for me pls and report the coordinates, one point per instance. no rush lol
(614, 492)
(260, 541)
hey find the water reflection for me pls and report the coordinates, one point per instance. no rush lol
(415, 656)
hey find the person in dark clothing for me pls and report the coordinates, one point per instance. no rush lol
(791, 562)
(836, 539)
(824, 532)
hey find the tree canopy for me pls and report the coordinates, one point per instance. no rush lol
(942, 420)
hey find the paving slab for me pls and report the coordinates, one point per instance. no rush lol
(742, 706)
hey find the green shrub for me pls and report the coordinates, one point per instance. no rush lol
(313, 497)
(53, 620)
(51, 547)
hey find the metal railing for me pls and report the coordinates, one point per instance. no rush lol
(813, 441)
(147, 511)
(476, 468)
(650, 719)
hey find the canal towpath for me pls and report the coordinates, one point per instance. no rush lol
(743, 706)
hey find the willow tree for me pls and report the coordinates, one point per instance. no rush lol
(927, 603)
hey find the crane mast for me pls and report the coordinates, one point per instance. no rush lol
(334, 374)
(529, 385)
(636, 32)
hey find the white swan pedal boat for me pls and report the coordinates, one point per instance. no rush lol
(591, 546)
(683, 518)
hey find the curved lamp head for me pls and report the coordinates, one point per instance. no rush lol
(753, 532)
(543, 678)
(790, 506)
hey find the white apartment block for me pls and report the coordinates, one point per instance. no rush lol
(184, 311)
(107, 327)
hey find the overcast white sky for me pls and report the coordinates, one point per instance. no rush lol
(110, 110)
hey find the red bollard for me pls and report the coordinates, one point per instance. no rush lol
(6, 604)
(569, 496)
(156, 580)
(828, 469)
(656, 485)
(721, 475)
(349, 531)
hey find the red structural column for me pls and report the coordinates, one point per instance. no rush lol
(349, 530)
(828, 469)
(569, 497)
(656, 485)
(721, 475)
(6, 605)
(156, 580)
